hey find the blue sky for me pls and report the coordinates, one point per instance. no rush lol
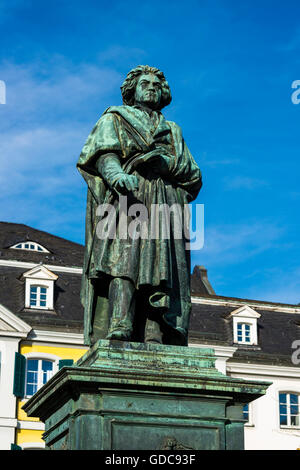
(230, 66)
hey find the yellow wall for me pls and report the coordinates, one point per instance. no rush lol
(63, 352)
(21, 415)
(28, 435)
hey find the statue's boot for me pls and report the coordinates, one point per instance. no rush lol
(121, 309)
(153, 333)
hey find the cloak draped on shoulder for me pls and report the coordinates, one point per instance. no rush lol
(137, 137)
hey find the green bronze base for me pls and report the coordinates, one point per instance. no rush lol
(136, 396)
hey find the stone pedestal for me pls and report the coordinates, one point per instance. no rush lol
(135, 396)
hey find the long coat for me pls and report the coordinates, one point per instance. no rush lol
(163, 263)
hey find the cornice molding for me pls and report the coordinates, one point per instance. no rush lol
(8, 422)
(245, 312)
(221, 351)
(31, 425)
(21, 329)
(56, 337)
(263, 369)
(40, 271)
(51, 267)
(251, 303)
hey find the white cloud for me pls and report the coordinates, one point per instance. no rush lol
(229, 247)
(45, 120)
(244, 182)
(55, 91)
(212, 162)
(49, 113)
(232, 244)
(277, 285)
(30, 157)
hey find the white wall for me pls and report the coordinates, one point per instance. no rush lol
(265, 433)
(8, 422)
(7, 435)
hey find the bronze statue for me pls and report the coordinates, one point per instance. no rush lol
(137, 288)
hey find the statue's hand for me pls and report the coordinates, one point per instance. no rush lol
(126, 183)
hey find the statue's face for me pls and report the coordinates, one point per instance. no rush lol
(148, 91)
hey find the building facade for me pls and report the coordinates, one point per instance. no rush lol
(41, 321)
(41, 330)
(259, 341)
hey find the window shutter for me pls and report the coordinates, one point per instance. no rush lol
(19, 375)
(15, 447)
(65, 362)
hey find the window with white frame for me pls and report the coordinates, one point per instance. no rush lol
(246, 412)
(38, 296)
(39, 288)
(31, 246)
(38, 372)
(243, 333)
(289, 409)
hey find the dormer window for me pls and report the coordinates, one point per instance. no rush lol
(39, 288)
(30, 246)
(245, 325)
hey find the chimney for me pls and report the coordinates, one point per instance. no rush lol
(200, 284)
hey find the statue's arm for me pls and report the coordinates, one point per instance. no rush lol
(185, 172)
(110, 169)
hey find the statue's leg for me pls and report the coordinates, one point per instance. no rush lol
(121, 309)
(153, 333)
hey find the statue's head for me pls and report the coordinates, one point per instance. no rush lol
(146, 86)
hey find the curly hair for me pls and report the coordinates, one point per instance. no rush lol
(130, 82)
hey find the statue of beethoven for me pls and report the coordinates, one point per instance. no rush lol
(137, 288)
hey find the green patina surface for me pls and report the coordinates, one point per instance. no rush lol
(134, 396)
(137, 287)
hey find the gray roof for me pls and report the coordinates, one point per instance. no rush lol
(62, 252)
(68, 311)
(277, 329)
